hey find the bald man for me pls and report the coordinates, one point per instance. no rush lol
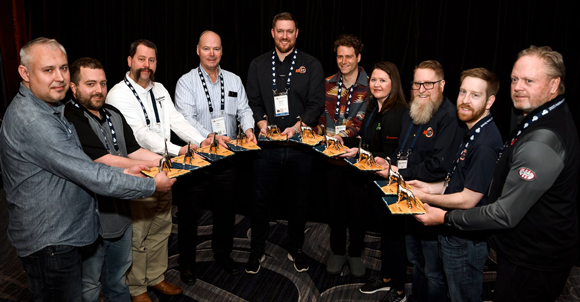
(213, 101)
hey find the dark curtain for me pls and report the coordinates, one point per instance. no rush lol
(459, 34)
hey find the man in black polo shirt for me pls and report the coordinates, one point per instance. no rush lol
(533, 194)
(106, 138)
(464, 253)
(283, 84)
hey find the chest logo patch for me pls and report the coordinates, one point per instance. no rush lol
(302, 69)
(527, 174)
(463, 154)
(428, 132)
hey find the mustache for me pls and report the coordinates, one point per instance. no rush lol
(151, 73)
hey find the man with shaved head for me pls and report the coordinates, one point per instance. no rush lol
(213, 100)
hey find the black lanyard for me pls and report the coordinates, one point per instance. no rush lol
(338, 95)
(274, 89)
(202, 78)
(141, 103)
(111, 128)
(410, 150)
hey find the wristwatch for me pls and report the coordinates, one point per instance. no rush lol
(446, 221)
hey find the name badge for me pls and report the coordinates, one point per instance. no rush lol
(340, 128)
(402, 163)
(281, 105)
(218, 126)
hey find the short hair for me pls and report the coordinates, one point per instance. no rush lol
(86, 62)
(136, 43)
(396, 96)
(433, 65)
(349, 41)
(25, 50)
(554, 62)
(481, 73)
(284, 16)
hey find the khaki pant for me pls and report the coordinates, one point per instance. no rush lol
(151, 229)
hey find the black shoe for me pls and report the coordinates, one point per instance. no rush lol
(299, 259)
(187, 275)
(393, 296)
(227, 264)
(253, 264)
(375, 285)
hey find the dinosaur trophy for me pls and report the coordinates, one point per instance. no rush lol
(305, 131)
(242, 138)
(165, 161)
(271, 129)
(330, 141)
(364, 155)
(188, 157)
(215, 146)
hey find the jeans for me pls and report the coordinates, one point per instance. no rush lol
(272, 163)
(429, 282)
(463, 262)
(54, 273)
(106, 262)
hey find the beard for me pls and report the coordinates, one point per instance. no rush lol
(151, 74)
(88, 101)
(283, 49)
(420, 113)
(470, 116)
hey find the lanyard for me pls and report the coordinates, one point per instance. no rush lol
(338, 95)
(141, 103)
(111, 127)
(202, 78)
(463, 150)
(410, 150)
(274, 89)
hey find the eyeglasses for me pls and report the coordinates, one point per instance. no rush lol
(427, 85)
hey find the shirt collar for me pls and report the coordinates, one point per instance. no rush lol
(206, 75)
(483, 120)
(27, 93)
(84, 109)
(362, 78)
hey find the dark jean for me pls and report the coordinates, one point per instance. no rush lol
(272, 163)
(429, 282)
(393, 252)
(54, 273)
(105, 264)
(463, 262)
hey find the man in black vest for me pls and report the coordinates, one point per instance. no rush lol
(534, 188)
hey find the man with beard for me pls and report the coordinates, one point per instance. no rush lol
(427, 145)
(464, 253)
(283, 84)
(106, 138)
(49, 181)
(533, 194)
(149, 111)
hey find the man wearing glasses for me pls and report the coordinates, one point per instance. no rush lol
(429, 139)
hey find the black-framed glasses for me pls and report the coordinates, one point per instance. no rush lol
(427, 85)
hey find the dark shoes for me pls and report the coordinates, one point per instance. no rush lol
(227, 264)
(253, 264)
(299, 259)
(374, 285)
(167, 288)
(187, 275)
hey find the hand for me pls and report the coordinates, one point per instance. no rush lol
(136, 170)
(383, 173)
(263, 126)
(207, 141)
(162, 182)
(381, 162)
(182, 150)
(222, 140)
(417, 184)
(394, 168)
(434, 216)
(338, 137)
(250, 135)
(289, 131)
(350, 153)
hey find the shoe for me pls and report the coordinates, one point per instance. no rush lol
(253, 264)
(374, 285)
(227, 264)
(167, 288)
(393, 296)
(187, 275)
(335, 263)
(357, 267)
(299, 259)
(144, 297)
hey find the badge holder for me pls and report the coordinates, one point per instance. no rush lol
(330, 146)
(241, 143)
(306, 135)
(364, 160)
(165, 164)
(214, 152)
(273, 133)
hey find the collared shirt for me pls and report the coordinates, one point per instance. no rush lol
(191, 101)
(357, 106)
(48, 178)
(152, 137)
(115, 214)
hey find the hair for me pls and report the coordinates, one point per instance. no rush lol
(481, 73)
(433, 65)
(396, 96)
(25, 50)
(349, 41)
(86, 62)
(136, 43)
(553, 60)
(284, 16)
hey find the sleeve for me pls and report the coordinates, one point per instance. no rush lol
(254, 94)
(90, 142)
(480, 170)
(316, 95)
(354, 124)
(518, 194)
(61, 156)
(182, 127)
(185, 103)
(244, 112)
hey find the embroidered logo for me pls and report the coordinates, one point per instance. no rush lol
(463, 154)
(392, 137)
(527, 174)
(302, 69)
(428, 132)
